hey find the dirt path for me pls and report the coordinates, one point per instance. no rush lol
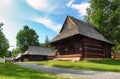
(73, 74)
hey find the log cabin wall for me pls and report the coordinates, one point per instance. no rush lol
(69, 48)
(92, 48)
(107, 50)
(33, 58)
(84, 47)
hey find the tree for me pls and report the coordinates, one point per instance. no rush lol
(15, 51)
(8, 54)
(27, 37)
(4, 45)
(1, 24)
(46, 42)
(105, 16)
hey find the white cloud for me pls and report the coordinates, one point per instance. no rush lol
(45, 6)
(70, 3)
(5, 2)
(48, 23)
(10, 30)
(81, 8)
(42, 5)
(39, 4)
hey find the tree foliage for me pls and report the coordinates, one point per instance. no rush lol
(8, 54)
(46, 42)
(27, 37)
(105, 16)
(15, 51)
(4, 44)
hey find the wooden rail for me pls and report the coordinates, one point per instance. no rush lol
(116, 56)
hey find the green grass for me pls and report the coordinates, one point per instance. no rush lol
(99, 65)
(12, 71)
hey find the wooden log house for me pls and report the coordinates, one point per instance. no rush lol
(35, 53)
(78, 40)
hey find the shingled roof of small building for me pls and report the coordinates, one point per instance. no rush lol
(79, 27)
(35, 50)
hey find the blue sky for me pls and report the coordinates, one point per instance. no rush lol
(46, 17)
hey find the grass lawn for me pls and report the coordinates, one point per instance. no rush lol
(100, 65)
(12, 71)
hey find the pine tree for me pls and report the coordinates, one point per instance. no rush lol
(46, 42)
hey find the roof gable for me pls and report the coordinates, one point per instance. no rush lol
(68, 29)
(68, 25)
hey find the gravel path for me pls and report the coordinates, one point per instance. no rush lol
(74, 74)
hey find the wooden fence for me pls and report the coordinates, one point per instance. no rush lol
(116, 56)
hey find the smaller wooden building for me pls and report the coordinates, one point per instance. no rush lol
(78, 40)
(35, 53)
(17, 57)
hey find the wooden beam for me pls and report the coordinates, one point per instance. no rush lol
(94, 44)
(94, 48)
(91, 53)
(72, 55)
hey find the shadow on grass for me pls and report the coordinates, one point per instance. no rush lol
(11, 71)
(107, 62)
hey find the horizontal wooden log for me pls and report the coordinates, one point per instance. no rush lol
(94, 51)
(69, 59)
(67, 56)
(90, 53)
(93, 48)
(91, 41)
(94, 56)
(94, 44)
(116, 56)
(98, 58)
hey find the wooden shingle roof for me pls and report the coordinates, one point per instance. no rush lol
(35, 50)
(73, 26)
